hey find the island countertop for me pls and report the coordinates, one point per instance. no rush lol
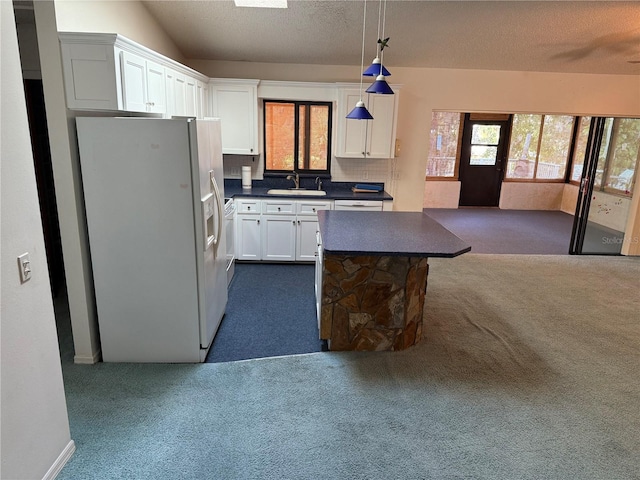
(408, 234)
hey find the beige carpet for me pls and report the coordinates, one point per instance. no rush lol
(529, 369)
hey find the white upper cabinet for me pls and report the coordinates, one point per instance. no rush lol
(143, 84)
(110, 72)
(235, 102)
(367, 138)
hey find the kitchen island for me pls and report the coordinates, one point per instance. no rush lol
(371, 276)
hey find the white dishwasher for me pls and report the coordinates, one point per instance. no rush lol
(362, 205)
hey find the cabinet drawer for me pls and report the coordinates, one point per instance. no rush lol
(275, 207)
(246, 206)
(311, 207)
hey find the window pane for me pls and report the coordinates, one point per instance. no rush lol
(319, 137)
(302, 142)
(485, 134)
(581, 148)
(626, 148)
(445, 127)
(523, 147)
(554, 147)
(483, 155)
(279, 135)
(602, 154)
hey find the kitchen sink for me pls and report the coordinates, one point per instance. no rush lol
(296, 191)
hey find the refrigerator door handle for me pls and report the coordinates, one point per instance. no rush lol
(208, 221)
(219, 206)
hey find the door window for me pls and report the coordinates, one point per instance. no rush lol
(484, 144)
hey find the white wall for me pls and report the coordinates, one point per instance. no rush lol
(609, 210)
(569, 199)
(35, 428)
(128, 18)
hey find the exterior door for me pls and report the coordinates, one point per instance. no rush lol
(482, 158)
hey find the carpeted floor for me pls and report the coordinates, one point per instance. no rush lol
(491, 230)
(271, 312)
(528, 370)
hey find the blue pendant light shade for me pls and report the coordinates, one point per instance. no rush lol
(360, 112)
(380, 86)
(376, 68)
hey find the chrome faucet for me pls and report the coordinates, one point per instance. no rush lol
(296, 179)
(319, 183)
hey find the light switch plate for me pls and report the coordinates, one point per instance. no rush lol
(24, 266)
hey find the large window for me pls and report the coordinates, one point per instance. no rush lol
(580, 149)
(444, 144)
(297, 136)
(619, 154)
(539, 147)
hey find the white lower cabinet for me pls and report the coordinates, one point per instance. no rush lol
(279, 238)
(248, 236)
(278, 230)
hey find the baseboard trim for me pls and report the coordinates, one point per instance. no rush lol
(61, 461)
(86, 360)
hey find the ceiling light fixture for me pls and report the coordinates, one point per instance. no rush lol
(381, 86)
(360, 112)
(261, 3)
(376, 68)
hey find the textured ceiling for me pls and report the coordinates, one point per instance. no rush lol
(550, 36)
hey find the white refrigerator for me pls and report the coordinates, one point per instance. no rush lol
(153, 193)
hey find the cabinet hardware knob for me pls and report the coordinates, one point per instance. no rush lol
(298, 222)
(313, 209)
(278, 208)
(293, 221)
(258, 222)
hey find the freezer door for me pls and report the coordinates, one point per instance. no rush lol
(212, 280)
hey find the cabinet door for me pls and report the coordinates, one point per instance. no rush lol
(279, 238)
(203, 99)
(352, 133)
(380, 141)
(134, 82)
(90, 76)
(248, 238)
(237, 107)
(180, 90)
(170, 86)
(306, 241)
(156, 88)
(191, 97)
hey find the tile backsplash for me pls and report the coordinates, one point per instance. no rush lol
(342, 169)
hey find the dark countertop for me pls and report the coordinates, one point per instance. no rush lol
(335, 191)
(410, 234)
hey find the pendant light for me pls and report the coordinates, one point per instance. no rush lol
(380, 86)
(376, 68)
(360, 112)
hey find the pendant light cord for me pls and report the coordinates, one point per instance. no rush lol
(364, 24)
(384, 19)
(379, 17)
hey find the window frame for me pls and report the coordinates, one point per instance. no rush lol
(567, 161)
(456, 167)
(296, 144)
(606, 171)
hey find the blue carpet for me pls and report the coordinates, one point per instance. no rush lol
(495, 231)
(271, 312)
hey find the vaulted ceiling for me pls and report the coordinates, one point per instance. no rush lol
(548, 36)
